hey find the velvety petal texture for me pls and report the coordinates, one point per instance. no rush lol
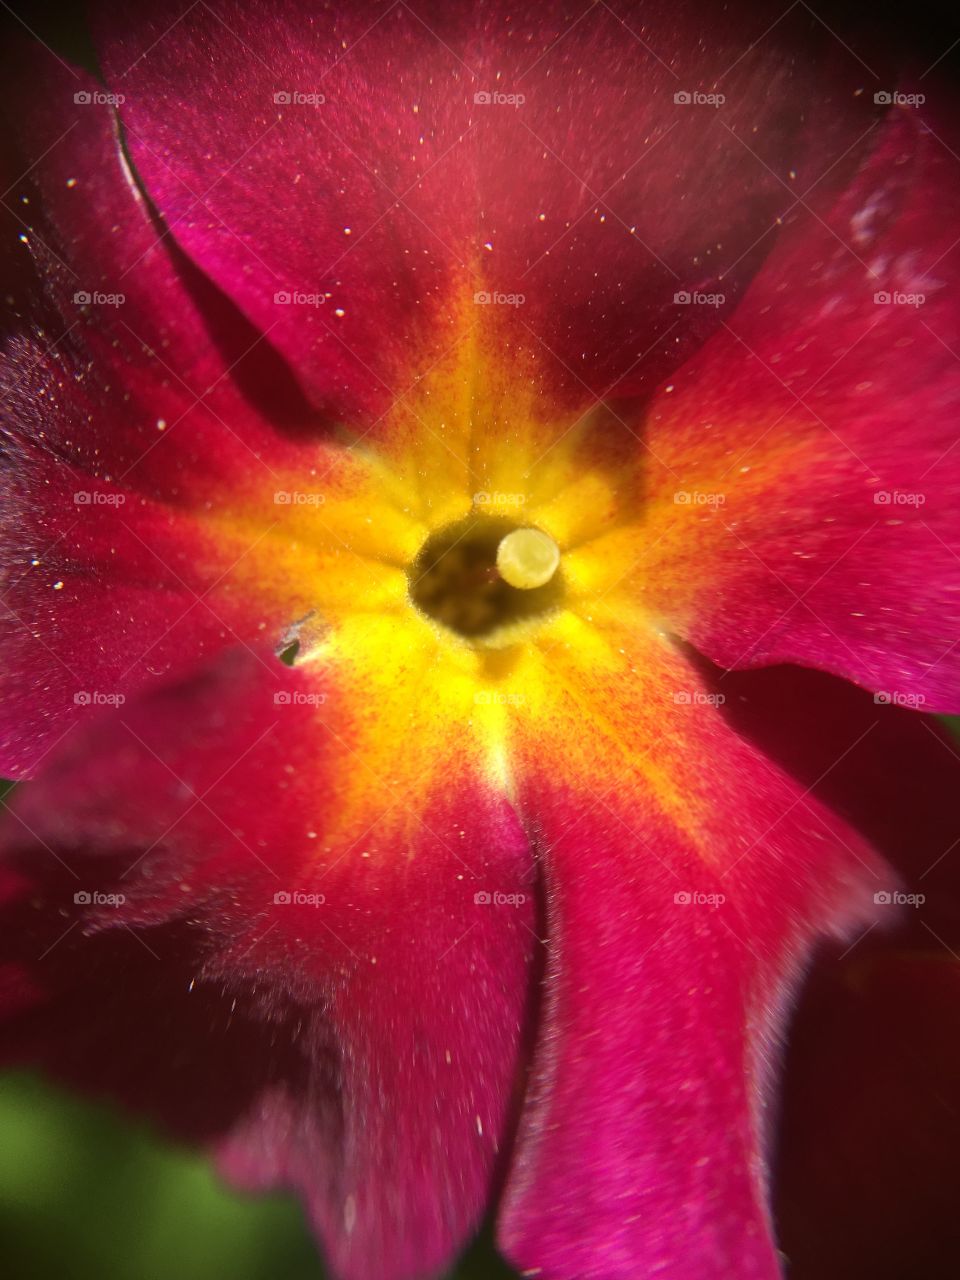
(261, 874)
(353, 178)
(468, 908)
(805, 475)
(687, 881)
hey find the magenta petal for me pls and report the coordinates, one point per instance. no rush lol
(822, 427)
(362, 1044)
(644, 1144)
(345, 156)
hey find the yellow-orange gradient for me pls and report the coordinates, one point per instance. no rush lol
(593, 688)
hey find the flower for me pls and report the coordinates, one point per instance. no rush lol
(413, 410)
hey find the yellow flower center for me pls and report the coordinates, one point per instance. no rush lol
(482, 577)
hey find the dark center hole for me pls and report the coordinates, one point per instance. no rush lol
(454, 579)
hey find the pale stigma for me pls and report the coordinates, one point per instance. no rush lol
(527, 558)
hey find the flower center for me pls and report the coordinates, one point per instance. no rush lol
(484, 575)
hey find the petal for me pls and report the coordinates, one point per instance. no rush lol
(687, 881)
(122, 345)
(356, 160)
(128, 425)
(314, 992)
(804, 496)
(866, 1160)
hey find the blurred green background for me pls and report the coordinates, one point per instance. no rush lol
(84, 1193)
